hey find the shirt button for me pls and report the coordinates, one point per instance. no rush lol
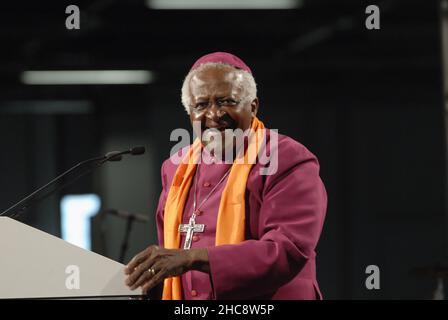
(206, 184)
(194, 293)
(195, 238)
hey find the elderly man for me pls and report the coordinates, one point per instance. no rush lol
(226, 229)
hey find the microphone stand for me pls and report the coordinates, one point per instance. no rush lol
(130, 219)
(125, 243)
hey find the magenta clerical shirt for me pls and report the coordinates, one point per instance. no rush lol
(284, 218)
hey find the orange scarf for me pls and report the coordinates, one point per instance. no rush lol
(230, 226)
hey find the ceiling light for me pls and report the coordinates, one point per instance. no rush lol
(75, 77)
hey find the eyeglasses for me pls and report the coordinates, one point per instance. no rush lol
(224, 102)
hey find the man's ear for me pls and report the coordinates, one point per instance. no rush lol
(254, 106)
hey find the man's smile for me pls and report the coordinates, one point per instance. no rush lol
(221, 126)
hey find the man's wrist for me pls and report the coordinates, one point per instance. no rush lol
(198, 259)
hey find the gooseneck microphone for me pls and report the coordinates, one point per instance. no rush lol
(116, 155)
(63, 179)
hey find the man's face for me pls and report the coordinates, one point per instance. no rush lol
(218, 101)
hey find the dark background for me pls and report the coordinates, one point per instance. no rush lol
(368, 103)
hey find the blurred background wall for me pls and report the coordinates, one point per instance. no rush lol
(368, 103)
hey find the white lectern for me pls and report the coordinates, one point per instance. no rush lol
(34, 264)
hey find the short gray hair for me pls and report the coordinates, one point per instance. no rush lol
(247, 83)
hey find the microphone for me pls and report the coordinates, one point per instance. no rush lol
(128, 215)
(137, 150)
(85, 167)
(116, 155)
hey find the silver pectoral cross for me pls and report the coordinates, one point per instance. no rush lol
(190, 229)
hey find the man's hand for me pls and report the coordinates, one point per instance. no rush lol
(151, 266)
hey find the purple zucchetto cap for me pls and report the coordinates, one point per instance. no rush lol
(223, 57)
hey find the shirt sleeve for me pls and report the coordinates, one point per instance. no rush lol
(290, 221)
